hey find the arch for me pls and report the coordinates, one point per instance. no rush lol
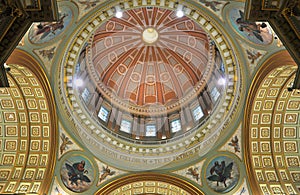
(266, 118)
(29, 127)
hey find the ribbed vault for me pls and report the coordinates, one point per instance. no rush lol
(146, 73)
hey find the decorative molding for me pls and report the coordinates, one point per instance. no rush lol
(33, 154)
(269, 154)
(151, 183)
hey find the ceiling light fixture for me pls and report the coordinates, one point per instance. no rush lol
(119, 13)
(179, 12)
(222, 81)
(78, 82)
(150, 35)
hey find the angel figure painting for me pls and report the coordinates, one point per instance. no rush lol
(222, 174)
(77, 174)
(194, 172)
(105, 173)
(42, 32)
(256, 32)
(65, 142)
(235, 143)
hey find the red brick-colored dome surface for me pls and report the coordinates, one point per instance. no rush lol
(161, 75)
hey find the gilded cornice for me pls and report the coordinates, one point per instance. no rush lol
(164, 179)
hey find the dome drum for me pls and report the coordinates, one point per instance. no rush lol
(151, 124)
(150, 82)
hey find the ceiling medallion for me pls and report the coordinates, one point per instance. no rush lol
(150, 35)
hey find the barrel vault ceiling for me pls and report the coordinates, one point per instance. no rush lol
(150, 97)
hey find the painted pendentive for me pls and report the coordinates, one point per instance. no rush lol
(255, 32)
(46, 31)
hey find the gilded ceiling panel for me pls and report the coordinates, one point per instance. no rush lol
(272, 144)
(27, 129)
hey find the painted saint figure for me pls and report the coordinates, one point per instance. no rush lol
(76, 172)
(222, 172)
(106, 171)
(50, 27)
(251, 28)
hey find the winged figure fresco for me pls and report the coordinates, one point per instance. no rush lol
(89, 4)
(220, 172)
(251, 28)
(194, 172)
(106, 171)
(235, 144)
(65, 142)
(77, 172)
(44, 29)
(211, 4)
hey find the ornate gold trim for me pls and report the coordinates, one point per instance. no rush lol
(148, 176)
(23, 58)
(276, 60)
